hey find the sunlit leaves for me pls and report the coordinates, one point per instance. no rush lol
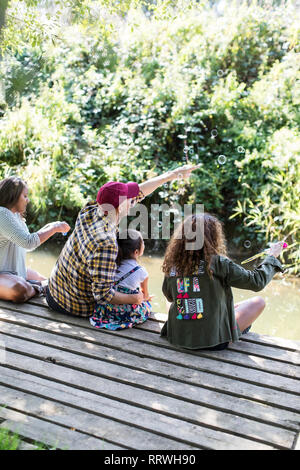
(128, 89)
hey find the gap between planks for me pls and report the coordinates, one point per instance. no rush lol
(40, 429)
(52, 316)
(227, 434)
(275, 342)
(162, 344)
(52, 320)
(162, 392)
(178, 372)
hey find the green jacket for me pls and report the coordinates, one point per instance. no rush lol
(202, 311)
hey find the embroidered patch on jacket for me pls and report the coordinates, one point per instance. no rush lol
(189, 309)
(193, 305)
(196, 287)
(183, 296)
(201, 269)
(183, 284)
(180, 309)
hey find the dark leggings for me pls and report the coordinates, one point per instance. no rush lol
(53, 304)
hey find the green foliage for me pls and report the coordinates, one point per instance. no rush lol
(119, 92)
(12, 441)
(8, 440)
(269, 204)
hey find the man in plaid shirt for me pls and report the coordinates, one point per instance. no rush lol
(84, 273)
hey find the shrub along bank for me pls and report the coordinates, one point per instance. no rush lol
(151, 93)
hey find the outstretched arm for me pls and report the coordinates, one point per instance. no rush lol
(17, 233)
(181, 172)
(50, 229)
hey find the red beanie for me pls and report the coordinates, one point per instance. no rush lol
(114, 192)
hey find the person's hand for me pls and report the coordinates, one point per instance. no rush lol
(183, 172)
(276, 249)
(137, 298)
(148, 298)
(61, 227)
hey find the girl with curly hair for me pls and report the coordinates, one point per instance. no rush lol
(198, 284)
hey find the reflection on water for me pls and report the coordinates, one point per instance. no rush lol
(280, 317)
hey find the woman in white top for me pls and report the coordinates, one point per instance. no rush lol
(18, 283)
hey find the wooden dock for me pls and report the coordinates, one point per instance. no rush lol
(72, 386)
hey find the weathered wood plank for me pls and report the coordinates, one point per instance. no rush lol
(261, 349)
(283, 347)
(167, 392)
(240, 403)
(289, 344)
(26, 446)
(97, 426)
(93, 403)
(229, 356)
(247, 406)
(264, 350)
(52, 435)
(206, 437)
(150, 350)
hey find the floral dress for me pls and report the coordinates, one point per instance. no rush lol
(115, 317)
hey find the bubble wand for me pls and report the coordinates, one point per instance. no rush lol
(258, 255)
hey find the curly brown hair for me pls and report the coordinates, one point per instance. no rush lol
(185, 261)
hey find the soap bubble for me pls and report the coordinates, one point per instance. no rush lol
(191, 151)
(247, 244)
(241, 149)
(159, 224)
(214, 133)
(222, 159)
(239, 111)
(186, 149)
(220, 73)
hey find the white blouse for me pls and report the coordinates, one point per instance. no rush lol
(15, 240)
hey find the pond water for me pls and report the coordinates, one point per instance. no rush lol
(282, 296)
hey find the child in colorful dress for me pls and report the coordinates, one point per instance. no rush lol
(198, 284)
(130, 279)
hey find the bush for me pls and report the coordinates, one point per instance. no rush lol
(126, 104)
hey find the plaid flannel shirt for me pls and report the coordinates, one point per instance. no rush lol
(85, 271)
